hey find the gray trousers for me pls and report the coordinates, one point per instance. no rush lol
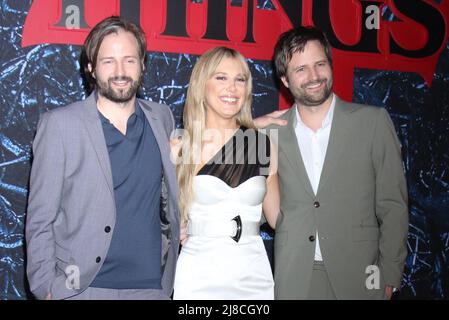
(120, 294)
(320, 286)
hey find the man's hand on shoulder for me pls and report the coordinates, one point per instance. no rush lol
(270, 118)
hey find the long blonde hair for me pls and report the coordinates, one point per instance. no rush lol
(194, 118)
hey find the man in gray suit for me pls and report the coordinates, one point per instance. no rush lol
(102, 219)
(342, 230)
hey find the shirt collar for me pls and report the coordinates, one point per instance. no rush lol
(327, 121)
(137, 111)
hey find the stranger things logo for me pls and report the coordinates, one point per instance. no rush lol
(397, 35)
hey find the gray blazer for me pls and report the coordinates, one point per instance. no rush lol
(71, 199)
(360, 209)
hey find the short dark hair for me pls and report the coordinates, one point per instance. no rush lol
(295, 40)
(96, 36)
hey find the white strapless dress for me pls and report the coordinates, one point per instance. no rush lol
(211, 264)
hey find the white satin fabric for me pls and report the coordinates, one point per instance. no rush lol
(217, 267)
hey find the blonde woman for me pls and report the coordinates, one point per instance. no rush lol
(227, 177)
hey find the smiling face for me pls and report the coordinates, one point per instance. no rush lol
(309, 76)
(118, 69)
(226, 90)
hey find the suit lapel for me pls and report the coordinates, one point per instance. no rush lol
(337, 140)
(95, 131)
(291, 150)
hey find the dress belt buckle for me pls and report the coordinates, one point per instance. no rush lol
(238, 231)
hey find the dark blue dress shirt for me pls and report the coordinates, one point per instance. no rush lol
(134, 257)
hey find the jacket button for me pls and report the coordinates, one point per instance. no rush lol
(107, 229)
(312, 238)
(98, 259)
(316, 204)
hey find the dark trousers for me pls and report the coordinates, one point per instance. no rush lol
(120, 294)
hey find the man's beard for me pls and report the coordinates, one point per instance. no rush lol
(310, 100)
(119, 95)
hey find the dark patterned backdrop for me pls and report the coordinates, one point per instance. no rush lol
(38, 78)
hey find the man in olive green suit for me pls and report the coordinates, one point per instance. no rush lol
(342, 229)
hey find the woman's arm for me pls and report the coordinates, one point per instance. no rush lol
(271, 203)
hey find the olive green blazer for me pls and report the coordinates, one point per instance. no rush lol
(360, 209)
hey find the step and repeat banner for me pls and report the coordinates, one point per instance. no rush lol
(388, 53)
